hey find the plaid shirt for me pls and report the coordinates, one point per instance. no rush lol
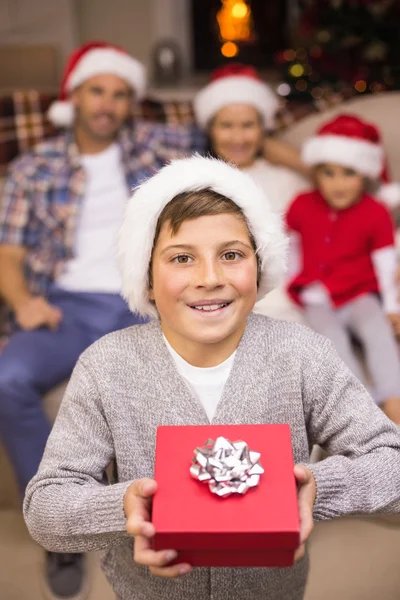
(44, 192)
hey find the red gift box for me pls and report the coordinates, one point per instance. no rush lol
(257, 529)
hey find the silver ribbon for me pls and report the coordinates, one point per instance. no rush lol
(228, 467)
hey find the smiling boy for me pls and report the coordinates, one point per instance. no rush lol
(198, 246)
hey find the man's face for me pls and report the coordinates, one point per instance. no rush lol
(340, 186)
(204, 281)
(236, 134)
(102, 105)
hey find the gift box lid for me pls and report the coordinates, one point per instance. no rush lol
(187, 515)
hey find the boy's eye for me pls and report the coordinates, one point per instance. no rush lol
(182, 259)
(231, 255)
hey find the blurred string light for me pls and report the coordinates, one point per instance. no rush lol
(229, 50)
(284, 89)
(360, 85)
(296, 70)
(235, 24)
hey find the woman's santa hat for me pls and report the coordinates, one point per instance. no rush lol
(235, 84)
(136, 237)
(351, 142)
(95, 58)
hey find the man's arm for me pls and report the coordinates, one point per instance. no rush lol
(15, 212)
(30, 311)
(13, 288)
(168, 142)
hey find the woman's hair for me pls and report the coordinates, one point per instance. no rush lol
(195, 204)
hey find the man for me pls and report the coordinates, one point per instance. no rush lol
(62, 207)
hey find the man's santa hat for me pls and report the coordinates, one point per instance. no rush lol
(95, 58)
(235, 84)
(351, 142)
(136, 237)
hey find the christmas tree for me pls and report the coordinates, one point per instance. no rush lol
(348, 46)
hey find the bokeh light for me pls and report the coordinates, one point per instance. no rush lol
(240, 10)
(283, 89)
(296, 70)
(229, 50)
(360, 85)
(301, 85)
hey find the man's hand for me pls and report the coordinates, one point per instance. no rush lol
(306, 492)
(137, 506)
(394, 319)
(37, 312)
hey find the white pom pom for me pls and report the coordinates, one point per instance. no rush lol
(61, 113)
(389, 193)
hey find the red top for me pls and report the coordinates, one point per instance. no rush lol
(336, 245)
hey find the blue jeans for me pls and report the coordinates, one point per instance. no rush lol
(35, 361)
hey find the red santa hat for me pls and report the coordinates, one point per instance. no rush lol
(95, 58)
(136, 237)
(235, 84)
(351, 142)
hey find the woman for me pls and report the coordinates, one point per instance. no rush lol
(235, 110)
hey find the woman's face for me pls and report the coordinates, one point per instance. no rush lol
(236, 134)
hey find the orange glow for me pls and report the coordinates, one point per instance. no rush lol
(235, 21)
(360, 85)
(289, 55)
(229, 50)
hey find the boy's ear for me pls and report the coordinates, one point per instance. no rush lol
(151, 294)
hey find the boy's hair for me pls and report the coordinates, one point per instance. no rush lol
(195, 204)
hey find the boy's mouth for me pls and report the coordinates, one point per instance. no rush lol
(210, 306)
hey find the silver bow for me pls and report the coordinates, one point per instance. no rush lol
(228, 467)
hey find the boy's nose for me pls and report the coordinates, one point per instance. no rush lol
(210, 275)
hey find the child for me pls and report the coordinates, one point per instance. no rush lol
(198, 246)
(347, 279)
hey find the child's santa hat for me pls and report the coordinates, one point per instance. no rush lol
(136, 237)
(95, 58)
(235, 84)
(353, 143)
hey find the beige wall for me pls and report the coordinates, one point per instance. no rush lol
(124, 22)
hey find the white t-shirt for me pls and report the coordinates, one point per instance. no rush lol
(94, 267)
(280, 184)
(207, 383)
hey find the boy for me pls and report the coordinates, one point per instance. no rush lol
(347, 278)
(198, 246)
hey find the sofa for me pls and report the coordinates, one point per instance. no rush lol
(353, 558)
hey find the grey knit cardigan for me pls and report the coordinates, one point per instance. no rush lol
(126, 384)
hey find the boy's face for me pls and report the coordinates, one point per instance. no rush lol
(204, 280)
(340, 186)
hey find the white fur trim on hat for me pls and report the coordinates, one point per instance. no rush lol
(235, 89)
(61, 113)
(136, 236)
(362, 156)
(108, 60)
(389, 193)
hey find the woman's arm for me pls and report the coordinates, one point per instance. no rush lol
(69, 506)
(363, 474)
(280, 153)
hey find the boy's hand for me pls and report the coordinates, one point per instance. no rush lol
(394, 319)
(137, 506)
(306, 492)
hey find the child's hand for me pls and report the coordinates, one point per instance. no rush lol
(306, 491)
(394, 319)
(137, 506)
